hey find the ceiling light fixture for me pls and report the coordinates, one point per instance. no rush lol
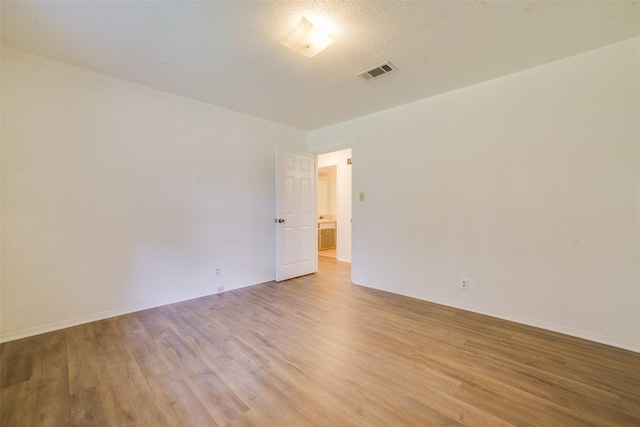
(307, 39)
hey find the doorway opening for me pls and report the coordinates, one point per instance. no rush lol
(334, 205)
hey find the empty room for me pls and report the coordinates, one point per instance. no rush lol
(320, 213)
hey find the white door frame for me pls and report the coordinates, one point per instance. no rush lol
(339, 168)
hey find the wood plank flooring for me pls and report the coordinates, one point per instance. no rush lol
(314, 351)
(329, 253)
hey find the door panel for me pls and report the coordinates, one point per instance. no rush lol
(289, 195)
(306, 190)
(306, 245)
(296, 225)
(289, 247)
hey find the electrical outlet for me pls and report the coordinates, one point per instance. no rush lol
(220, 288)
(464, 284)
(218, 271)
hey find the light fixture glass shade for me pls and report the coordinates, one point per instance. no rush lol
(308, 39)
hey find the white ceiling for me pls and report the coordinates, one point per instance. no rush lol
(228, 53)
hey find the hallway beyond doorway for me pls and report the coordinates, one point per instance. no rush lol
(327, 253)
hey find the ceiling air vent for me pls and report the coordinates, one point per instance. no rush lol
(378, 71)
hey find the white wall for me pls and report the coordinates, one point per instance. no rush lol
(117, 197)
(343, 197)
(527, 185)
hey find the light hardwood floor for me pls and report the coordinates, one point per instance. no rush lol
(314, 351)
(329, 253)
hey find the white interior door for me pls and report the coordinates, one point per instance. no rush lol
(296, 225)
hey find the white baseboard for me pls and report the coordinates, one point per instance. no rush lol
(67, 323)
(549, 326)
(574, 332)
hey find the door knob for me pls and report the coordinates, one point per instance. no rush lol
(279, 220)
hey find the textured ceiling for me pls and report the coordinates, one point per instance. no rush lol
(228, 53)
